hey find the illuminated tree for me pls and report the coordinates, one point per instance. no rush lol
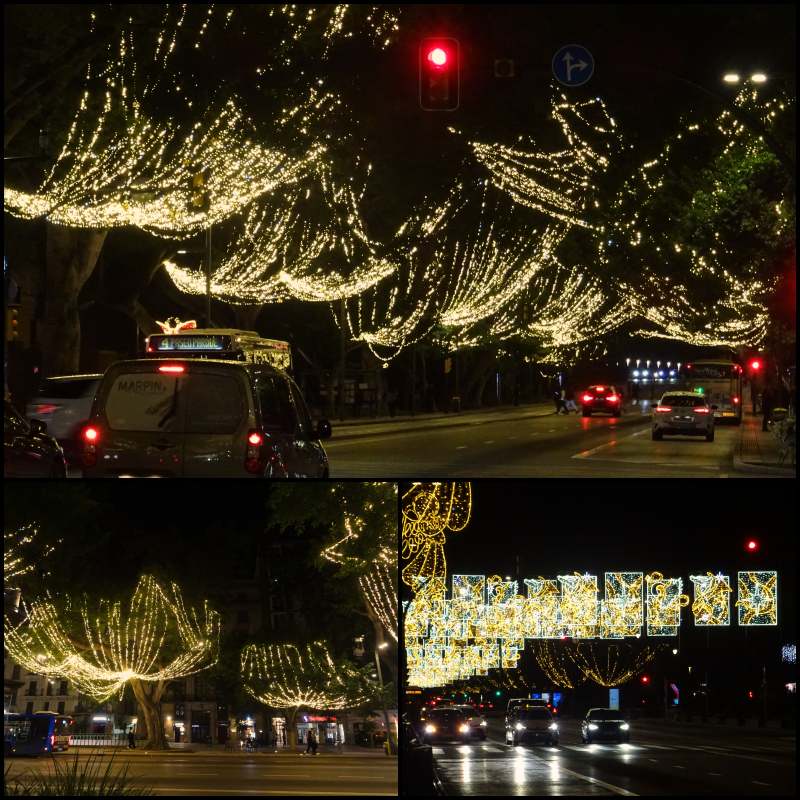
(104, 646)
(289, 677)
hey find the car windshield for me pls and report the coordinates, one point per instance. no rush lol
(683, 401)
(67, 389)
(605, 714)
(445, 715)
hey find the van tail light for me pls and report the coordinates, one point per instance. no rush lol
(90, 436)
(663, 409)
(701, 410)
(172, 368)
(587, 398)
(254, 457)
(736, 401)
(613, 398)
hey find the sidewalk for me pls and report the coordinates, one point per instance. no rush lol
(219, 750)
(370, 426)
(757, 451)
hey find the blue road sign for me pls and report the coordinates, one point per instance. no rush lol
(573, 65)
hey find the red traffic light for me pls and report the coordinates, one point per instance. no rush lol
(755, 364)
(439, 74)
(750, 694)
(645, 679)
(751, 545)
(437, 56)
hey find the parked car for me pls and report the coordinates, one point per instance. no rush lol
(29, 452)
(604, 724)
(531, 723)
(64, 404)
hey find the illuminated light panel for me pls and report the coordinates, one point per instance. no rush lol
(712, 599)
(758, 598)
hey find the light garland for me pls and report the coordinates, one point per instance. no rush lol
(19, 556)
(287, 676)
(116, 646)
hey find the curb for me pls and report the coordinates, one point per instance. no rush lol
(762, 469)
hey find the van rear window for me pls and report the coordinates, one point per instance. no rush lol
(145, 401)
(214, 403)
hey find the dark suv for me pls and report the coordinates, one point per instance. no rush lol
(446, 724)
(197, 417)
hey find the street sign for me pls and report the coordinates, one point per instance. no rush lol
(613, 699)
(573, 65)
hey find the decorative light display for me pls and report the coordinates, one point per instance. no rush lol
(22, 555)
(758, 598)
(665, 599)
(789, 653)
(287, 676)
(712, 599)
(429, 510)
(116, 645)
(611, 664)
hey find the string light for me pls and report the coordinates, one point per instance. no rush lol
(712, 599)
(155, 639)
(758, 598)
(22, 555)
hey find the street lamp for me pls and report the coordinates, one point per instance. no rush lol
(758, 77)
(731, 77)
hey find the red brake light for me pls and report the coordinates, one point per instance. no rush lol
(599, 388)
(736, 401)
(702, 410)
(254, 457)
(45, 408)
(587, 398)
(255, 438)
(663, 409)
(172, 368)
(91, 434)
(613, 398)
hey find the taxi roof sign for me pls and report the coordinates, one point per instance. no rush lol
(226, 343)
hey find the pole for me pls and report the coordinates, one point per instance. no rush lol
(413, 378)
(458, 391)
(208, 277)
(342, 353)
(389, 737)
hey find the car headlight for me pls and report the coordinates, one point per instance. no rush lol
(430, 729)
(519, 726)
(593, 727)
(624, 726)
(464, 728)
(553, 726)
(483, 723)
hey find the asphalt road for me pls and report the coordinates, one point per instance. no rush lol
(659, 760)
(221, 775)
(539, 446)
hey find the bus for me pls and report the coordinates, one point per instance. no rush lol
(37, 733)
(720, 382)
(226, 343)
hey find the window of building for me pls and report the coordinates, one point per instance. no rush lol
(46, 706)
(61, 707)
(62, 689)
(49, 690)
(32, 688)
(29, 707)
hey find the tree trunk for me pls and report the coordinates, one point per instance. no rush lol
(291, 728)
(71, 256)
(148, 695)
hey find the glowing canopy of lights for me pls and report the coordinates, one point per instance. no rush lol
(758, 598)
(116, 645)
(429, 511)
(22, 555)
(287, 676)
(486, 621)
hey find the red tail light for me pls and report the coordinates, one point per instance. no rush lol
(90, 436)
(663, 409)
(736, 401)
(613, 398)
(599, 388)
(45, 408)
(702, 410)
(587, 398)
(178, 368)
(254, 457)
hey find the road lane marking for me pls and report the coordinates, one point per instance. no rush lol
(613, 443)
(759, 783)
(461, 447)
(678, 766)
(491, 441)
(610, 786)
(716, 774)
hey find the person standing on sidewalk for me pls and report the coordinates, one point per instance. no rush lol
(767, 403)
(131, 740)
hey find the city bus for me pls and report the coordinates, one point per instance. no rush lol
(36, 733)
(720, 382)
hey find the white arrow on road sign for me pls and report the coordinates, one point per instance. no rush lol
(570, 66)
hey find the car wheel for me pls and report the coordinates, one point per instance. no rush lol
(710, 436)
(657, 436)
(587, 412)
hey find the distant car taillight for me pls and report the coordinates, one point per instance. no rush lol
(44, 408)
(736, 401)
(663, 409)
(587, 398)
(702, 410)
(90, 436)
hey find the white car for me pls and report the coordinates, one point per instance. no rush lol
(683, 414)
(476, 721)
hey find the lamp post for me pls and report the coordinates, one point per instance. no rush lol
(389, 736)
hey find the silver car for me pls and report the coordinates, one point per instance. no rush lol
(64, 404)
(683, 414)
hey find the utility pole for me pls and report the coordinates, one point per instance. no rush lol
(208, 277)
(342, 353)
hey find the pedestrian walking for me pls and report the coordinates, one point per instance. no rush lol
(131, 740)
(309, 742)
(557, 400)
(314, 744)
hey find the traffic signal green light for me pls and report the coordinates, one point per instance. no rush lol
(498, 693)
(439, 74)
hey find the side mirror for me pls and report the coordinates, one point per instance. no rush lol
(37, 426)
(323, 429)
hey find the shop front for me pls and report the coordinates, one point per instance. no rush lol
(327, 729)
